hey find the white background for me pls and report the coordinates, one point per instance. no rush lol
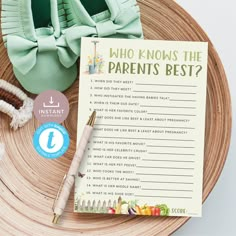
(218, 19)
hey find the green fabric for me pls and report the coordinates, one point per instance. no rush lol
(94, 7)
(40, 56)
(46, 64)
(41, 13)
(43, 53)
(121, 21)
(25, 62)
(47, 74)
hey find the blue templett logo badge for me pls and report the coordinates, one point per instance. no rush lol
(51, 140)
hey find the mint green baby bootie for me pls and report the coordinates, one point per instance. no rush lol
(101, 18)
(40, 55)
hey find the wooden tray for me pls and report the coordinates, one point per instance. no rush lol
(29, 183)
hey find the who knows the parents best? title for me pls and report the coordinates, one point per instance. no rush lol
(147, 62)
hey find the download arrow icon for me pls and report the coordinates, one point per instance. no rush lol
(51, 101)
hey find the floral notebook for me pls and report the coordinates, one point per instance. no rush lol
(146, 153)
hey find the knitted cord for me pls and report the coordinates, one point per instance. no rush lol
(11, 99)
(15, 104)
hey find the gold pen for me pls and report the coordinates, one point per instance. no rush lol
(69, 179)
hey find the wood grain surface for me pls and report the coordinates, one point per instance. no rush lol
(29, 183)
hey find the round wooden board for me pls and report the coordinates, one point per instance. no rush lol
(29, 183)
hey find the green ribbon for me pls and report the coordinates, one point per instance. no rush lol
(23, 53)
(125, 24)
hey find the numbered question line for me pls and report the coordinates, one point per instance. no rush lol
(182, 100)
(167, 92)
(139, 126)
(173, 154)
(168, 85)
(170, 146)
(165, 182)
(147, 196)
(149, 139)
(168, 190)
(169, 107)
(181, 161)
(173, 114)
(167, 175)
(164, 168)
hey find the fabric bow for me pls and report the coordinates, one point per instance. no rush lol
(23, 53)
(124, 23)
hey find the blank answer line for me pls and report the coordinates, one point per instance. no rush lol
(170, 146)
(167, 190)
(166, 168)
(165, 114)
(174, 107)
(169, 85)
(164, 92)
(164, 175)
(182, 100)
(140, 126)
(164, 182)
(162, 196)
(174, 154)
(155, 139)
(168, 161)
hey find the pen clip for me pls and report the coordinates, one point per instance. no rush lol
(58, 192)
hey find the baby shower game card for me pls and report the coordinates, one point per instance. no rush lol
(146, 153)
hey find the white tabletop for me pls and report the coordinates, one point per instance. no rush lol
(218, 19)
